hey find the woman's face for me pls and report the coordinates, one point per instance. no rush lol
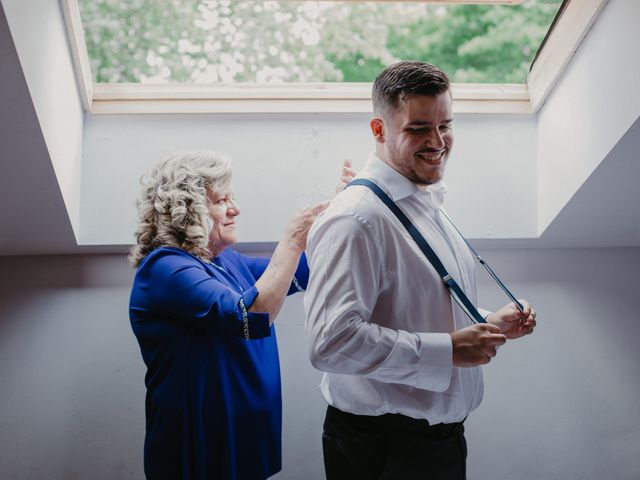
(223, 211)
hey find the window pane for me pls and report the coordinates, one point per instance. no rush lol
(267, 42)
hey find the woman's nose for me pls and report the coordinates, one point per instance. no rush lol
(233, 209)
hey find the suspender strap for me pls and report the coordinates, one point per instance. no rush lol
(454, 289)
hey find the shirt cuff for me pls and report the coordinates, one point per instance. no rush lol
(436, 362)
(301, 277)
(484, 313)
(250, 325)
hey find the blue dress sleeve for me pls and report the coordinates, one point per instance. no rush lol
(301, 277)
(257, 266)
(179, 286)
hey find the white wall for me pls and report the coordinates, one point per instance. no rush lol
(563, 403)
(510, 175)
(559, 405)
(516, 172)
(593, 105)
(282, 162)
(40, 38)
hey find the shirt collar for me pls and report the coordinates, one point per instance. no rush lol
(398, 186)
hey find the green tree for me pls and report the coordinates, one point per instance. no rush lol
(270, 41)
(477, 43)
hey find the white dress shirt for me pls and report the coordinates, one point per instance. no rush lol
(378, 315)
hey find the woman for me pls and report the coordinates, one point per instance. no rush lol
(203, 315)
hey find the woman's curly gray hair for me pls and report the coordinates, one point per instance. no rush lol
(172, 205)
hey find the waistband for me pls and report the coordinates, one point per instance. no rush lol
(396, 422)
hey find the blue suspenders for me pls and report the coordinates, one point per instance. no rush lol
(454, 289)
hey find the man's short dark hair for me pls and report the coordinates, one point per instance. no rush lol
(404, 79)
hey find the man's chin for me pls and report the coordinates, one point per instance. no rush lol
(426, 180)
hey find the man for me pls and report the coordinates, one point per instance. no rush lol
(402, 360)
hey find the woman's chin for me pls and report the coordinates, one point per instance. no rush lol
(222, 243)
(231, 240)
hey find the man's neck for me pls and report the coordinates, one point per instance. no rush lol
(420, 186)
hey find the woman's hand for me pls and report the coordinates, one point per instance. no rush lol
(297, 230)
(347, 174)
(276, 279)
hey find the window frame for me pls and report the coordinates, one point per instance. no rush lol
(572, 23)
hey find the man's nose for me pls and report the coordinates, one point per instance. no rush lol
(435, 140)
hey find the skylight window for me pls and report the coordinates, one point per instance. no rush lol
(292, 42)
(247, 56)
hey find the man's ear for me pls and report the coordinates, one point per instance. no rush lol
(377, 128)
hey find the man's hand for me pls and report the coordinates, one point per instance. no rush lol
(475, 345)
(513, 323)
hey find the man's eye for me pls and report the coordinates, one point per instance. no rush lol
(416, 130)
(445, 127)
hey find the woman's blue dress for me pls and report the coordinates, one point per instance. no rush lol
(213, 404)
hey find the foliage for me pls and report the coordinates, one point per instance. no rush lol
(270, 41)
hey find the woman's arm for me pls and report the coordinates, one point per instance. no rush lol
(257, 266)
(275, 282)
(173, 284)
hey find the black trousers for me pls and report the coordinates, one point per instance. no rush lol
(391, 446)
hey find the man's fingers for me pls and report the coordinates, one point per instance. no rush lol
(490, 335)
(488, 327)
(528, 322)
(494, 337)
(526, 307)
(497, 340)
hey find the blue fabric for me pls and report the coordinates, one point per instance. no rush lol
(213, 404)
